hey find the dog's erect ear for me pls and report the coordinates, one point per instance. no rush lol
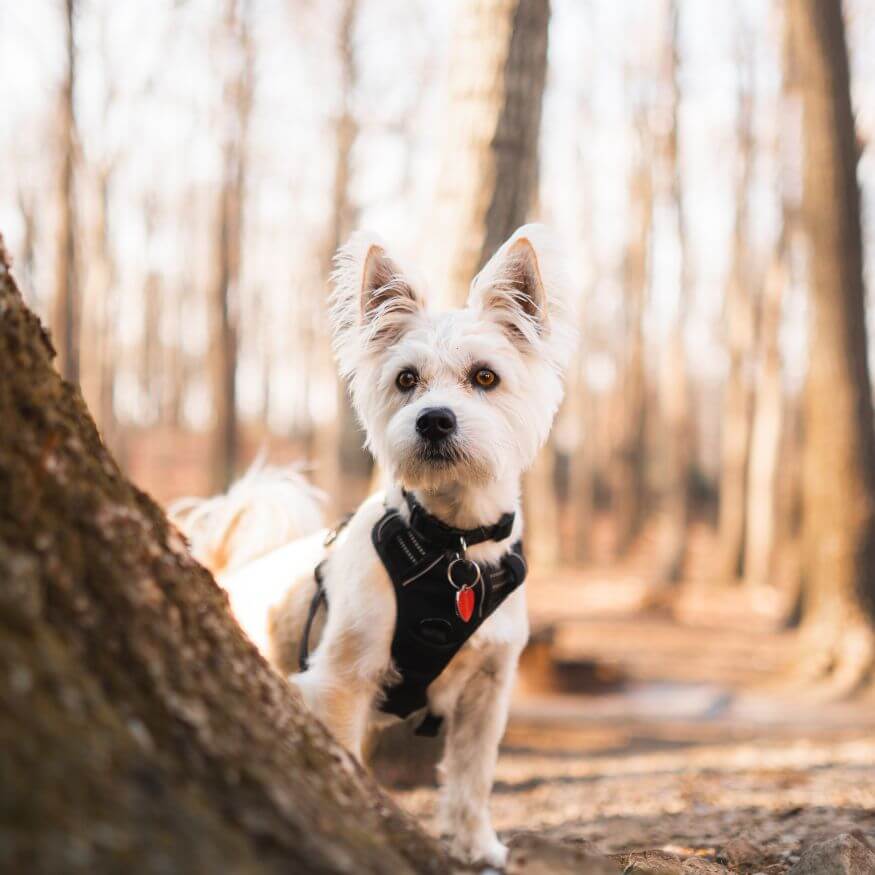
(523, 288)
(372, 302)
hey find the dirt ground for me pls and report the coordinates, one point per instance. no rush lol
(634, 731)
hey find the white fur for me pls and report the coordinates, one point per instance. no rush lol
(265, 509)
(518, 323)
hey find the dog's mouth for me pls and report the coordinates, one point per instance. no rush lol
(433, 464)
(440, 455)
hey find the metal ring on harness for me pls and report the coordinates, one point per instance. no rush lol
(478, 577)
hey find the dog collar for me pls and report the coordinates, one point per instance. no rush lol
(436, 532)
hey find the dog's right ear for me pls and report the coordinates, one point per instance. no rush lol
(372, 302)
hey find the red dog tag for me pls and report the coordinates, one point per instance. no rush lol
(465, 603)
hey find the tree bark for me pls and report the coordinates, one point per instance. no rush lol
(490, 160)
(140, 730)
(65, 322)
(229, 232)
(839, 452)
(740, 343)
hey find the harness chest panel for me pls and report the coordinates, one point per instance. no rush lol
(429, 629)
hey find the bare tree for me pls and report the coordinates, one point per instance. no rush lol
(354, 463)
(839, 454)
(27, 208)
(65, 322)
(674, 377)
(99, 310)
(768, 417)
(628, 468)
(228, 237)
(490, 160)
(123, 671)
(740, 340)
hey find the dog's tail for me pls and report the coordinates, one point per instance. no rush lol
(267, 508)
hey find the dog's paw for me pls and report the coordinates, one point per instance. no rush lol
(488, 850)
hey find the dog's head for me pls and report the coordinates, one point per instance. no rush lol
(461, 396)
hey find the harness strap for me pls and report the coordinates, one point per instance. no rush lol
(319, 599)
(436, 532)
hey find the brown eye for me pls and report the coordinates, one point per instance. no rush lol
(485, 378)
(406, 380)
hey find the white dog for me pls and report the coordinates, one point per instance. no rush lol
(455, 405)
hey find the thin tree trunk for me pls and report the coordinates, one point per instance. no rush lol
(98, 354)
(65, 322)
(769, 429)
(354, 464)
(765, 442)
(674, 377)
(141, 731)
(490, 160)
(28, 210)
(839, 453)
(229, 232)
(628, 486)
(740, 341)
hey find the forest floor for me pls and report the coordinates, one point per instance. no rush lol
(637, 731)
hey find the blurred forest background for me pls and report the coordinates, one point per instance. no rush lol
(179, 174)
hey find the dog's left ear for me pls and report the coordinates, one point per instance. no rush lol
(372, 302)
(524, 289)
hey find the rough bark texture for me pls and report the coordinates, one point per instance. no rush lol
(140, 731)
(839, 460)
(65, 319)
(490, 162)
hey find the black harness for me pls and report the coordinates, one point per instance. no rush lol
(441, 596)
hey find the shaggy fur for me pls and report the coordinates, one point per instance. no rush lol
(517, 322)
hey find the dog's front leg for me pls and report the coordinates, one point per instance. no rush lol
(475, 726)
(345, 672)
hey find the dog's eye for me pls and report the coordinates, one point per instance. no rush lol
(406, 380)
(486, 378)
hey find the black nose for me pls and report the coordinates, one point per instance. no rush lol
(436, 423)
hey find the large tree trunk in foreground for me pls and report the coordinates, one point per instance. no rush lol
(140, 731)
(839, 459)
(490, 162)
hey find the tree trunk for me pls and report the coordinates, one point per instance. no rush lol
(65, 322)
(354, 463)
(769, 428)
(140, 730)
(765, 441)
(27, 208)
(627, 486)
(739, 303)
(99, 316)
(229, 232)
(490, 160)
(674, 377)
(839, 454)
